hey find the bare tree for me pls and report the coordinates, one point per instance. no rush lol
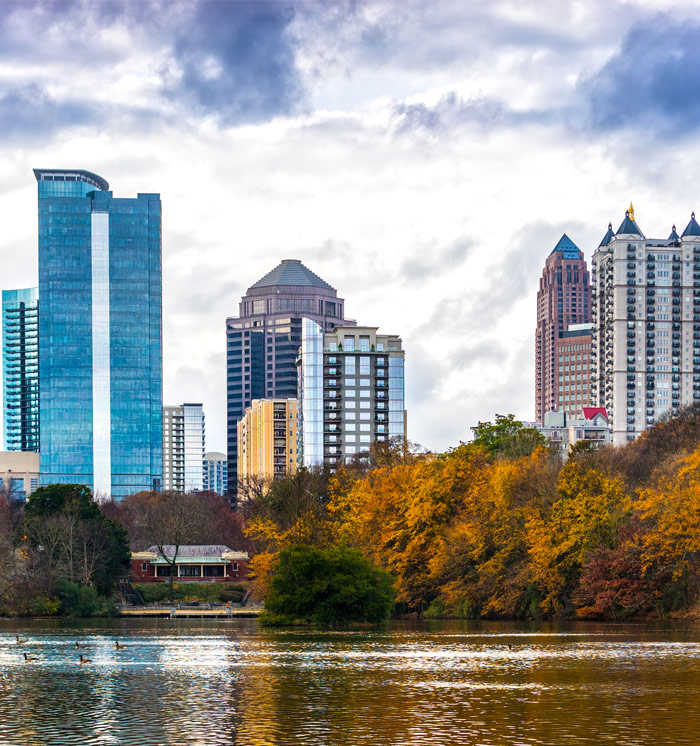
(170, 520)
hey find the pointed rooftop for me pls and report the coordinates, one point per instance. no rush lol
(692, 229)
(291, 272)
(608, 237)
(567, 247)
(674, 236)
(629, 225)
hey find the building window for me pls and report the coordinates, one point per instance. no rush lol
(349, 344)
(234, 567)
(144, 567)
(213, 571)
(190, 571)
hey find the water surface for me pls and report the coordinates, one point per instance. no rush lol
(211, 683)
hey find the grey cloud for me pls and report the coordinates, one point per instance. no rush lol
(652, 83)
(450, 112)
(237, 61)
(431, 261)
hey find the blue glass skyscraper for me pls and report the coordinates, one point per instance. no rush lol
(100, 338)
(20, 369)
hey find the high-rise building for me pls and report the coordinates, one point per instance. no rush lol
(100, 341)
(183, 448)
(573, 361)
(262, 342)
(267, 440)
(20, 369)
(563, 298)
(216, 472)
(646, 316)
(351, 386)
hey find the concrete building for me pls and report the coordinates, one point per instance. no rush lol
(563, 432)
(646, 315)
(20, 369)
(351, 384)
(267, 440)
(262, 342)
(563, 299)
(215, 478)
(100, 335)
(19, 472)
(573, 356)
(183, 448)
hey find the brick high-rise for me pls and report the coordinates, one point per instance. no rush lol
(564, 298)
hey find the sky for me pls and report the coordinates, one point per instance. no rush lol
(422, 157)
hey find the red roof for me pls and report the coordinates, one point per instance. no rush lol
(590, 412)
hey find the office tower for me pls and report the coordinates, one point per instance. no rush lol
(183, 448)
(646, 316)
(263, 341)
(100, 358)
(267, 440)
(351, 386)
(216, 472)
(573, 361)
(20, 369)
(563, 298)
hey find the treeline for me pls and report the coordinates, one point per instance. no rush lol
(500, 528)
(63, 553)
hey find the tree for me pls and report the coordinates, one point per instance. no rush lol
(507, 437)
(328, 586)
(169, 520)
(71, 538)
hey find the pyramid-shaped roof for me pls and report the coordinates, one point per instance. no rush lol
(629, 226)
(674, 236)
(608, 237)
(692, 229)
(567, 247)
(291, 272)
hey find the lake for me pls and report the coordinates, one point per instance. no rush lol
(186, 682)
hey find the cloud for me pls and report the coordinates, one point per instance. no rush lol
(236, 60)
(652, 83)
(450, 112)
(431, 261)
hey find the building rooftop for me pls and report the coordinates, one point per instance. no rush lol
(567, 247)
(608, 237)
(193, 550)
(291, 272)
(71, 174)
(629, 225)
(692, 229)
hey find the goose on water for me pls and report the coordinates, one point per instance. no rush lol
(84, 660)
(28, 658)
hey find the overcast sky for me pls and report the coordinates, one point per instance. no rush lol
(421, 157)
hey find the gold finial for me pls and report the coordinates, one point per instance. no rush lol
(631, 212)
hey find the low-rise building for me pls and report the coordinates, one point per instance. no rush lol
(563, 432)
(208, 563)
(19, 473)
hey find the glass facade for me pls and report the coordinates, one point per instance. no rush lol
(310, 449)
(100, 340)
(20, 369)
(194, 447)
(216, 472)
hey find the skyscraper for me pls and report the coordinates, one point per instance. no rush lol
(183, 448)
(563, 298)
(20, 369)
(100, 341)
(646, 315)
(351, 388)
(216, 472)
(267, 440)
(263, 341)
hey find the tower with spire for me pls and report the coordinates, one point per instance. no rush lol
(563, 300)
(646, 325)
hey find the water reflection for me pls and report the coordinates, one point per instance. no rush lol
(188, 682)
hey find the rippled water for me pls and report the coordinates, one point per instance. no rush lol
(222, 683)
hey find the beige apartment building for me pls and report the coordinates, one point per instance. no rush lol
(267, 439)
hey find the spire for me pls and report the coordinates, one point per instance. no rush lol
(629, 225)
(692, 229)
(608, 237)
(674, 236)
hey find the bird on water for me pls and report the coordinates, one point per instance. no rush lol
(84, 660)
(118, 646)
(20, 640)
(78, 645)
(29, 658)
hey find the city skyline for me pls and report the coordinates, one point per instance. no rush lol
(425, 175)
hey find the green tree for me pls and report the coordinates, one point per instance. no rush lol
(331, 586)
(507, 437)
(65, 527)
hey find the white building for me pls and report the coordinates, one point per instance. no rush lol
(183, 448)
(563, 432)
(216, 472)
(646, 315)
